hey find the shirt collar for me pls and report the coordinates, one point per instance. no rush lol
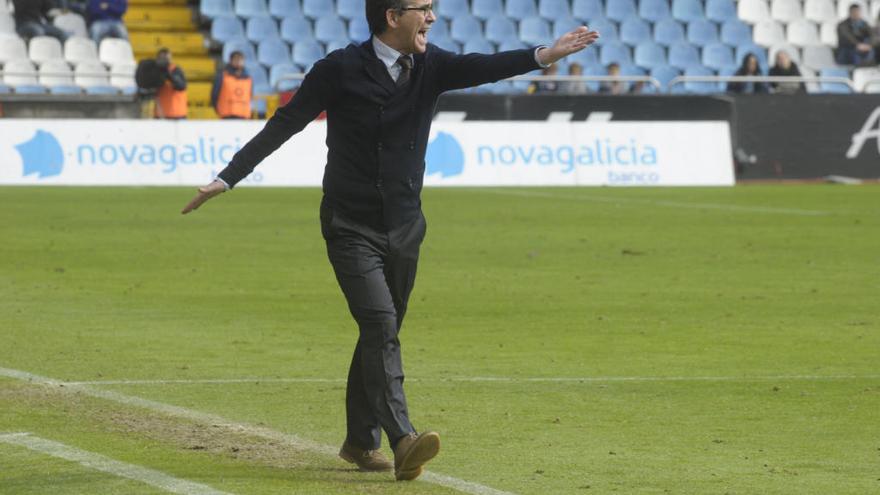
(386, 54)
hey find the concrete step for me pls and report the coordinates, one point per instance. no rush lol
(169, 18)
(179, 43)
(157, 3)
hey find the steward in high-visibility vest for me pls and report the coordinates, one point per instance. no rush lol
(171, 99)
(232, 90)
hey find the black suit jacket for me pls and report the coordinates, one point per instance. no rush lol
(377, 134)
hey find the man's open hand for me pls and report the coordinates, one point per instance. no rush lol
(567, 44)
(205, 193)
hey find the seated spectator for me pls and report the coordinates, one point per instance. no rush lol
(875, 38)
(546, 86)
(749, 67)
(854, 39)
(576, 87)
(233, 89)
(105, 19)
(32, 18)
(786, 67)
(613, 87)
(75, 6)
(162, 78)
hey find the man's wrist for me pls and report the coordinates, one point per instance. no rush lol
(542, 56)
(223, 182)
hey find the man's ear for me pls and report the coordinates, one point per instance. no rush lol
(391, 17)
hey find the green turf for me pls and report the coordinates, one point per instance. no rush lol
(728, 339)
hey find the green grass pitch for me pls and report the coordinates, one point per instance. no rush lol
(562, 341)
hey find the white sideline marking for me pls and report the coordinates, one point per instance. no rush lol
(107, 465)
(674, 204)
(294, 441)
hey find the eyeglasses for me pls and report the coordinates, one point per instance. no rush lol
(424, 9)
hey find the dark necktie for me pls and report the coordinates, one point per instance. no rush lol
(405, 68)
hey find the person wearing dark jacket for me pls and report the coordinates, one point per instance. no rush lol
(785, 67)
(233, 89)
(32, 19)
(854, 39)
(105, 19)
(379, 97)
(749, 67)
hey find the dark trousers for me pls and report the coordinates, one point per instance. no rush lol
(376, 271)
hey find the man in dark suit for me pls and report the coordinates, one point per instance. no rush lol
(379, 97)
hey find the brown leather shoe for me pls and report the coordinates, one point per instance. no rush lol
(366, 460)
(412, 452)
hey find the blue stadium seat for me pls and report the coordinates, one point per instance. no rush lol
(315, 9)
(251, 8)
(687, 10)
(4, 89)
(594, 70)
(279, 70)
(717, 56)
(615, 51)
(478, 45)
(664, 73)
(654, 10)
(226, 27)
(280, 9)
(585, 57)
(749, 47)
(306, 53)
(649, 54)
(500, 28)
(700, 87)
(683, 55)
(725, 71)
(701, 32)
(565, 25)
(349, 9)
(359, 30)
(486, 9)
(521, 9)
(553, 9)
(720, 10)
(260, 78)
(618, 10)
(439, 28)
(735, 32)
(587, 10)
(272, 51)
(452, 8)
(241, 45)
(260, 28)
(668, 31)
(296, 29)
(607, 30)
(535, 31)
(338, 44)
(329, 28)
(448, 44)
(465, 27)
(511, 44)
(216, 8)
(833, 87)
(634, 30)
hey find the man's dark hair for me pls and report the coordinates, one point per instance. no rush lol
(162, 51)
(376, 13)
(236, 53)
(854, 6)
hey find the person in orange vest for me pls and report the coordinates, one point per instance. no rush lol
(171, 100)
(232, 90)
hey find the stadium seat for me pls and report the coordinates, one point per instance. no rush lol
(260, 77)
(43, 48)
(565, 25)
(12, 48)
(768, 33)
(791, 50)
(735, 32)
(649, 54)
(216, 8)
(553, 9)
(802, 33)
(251, 8)
(654, 10)
(225, 28)
(585, 57)
(618, 10)
(273, 51)
(71, 23)
(587, 10)
(866, 79)
(700, 87)
(306, 53)
(91, 74)
(315, 9)
(535, 31)
(113, 50)
(465, 27)
(260, 28)
(669, 31)
(818, 57)
(702, 32)
(276, 74)
(720, 10)
(358, 29)
(687, 10)
(4, 89)
(820, 11)
(520, 9)
(615, 51)
(717, 56)
(486, 9)
(349, 9)
(786, 11)
(296, 29)
(756, 50)
(607, 30)
(664, 74)
(499, 28)
(452, 8)
(122, 78)
(683, 55)
(280, 9)
(753, 11)
(330, 28)
(22, 76)
(440, 28)
(78, 50)
(450, 45)
(834, 87)
(828, 33)
(478, 45)
(241, 45)
(57, 76)
(7, 24)
(634, 30)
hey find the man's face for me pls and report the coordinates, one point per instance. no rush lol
(163, 58)
(412, 25)
(855, 13)
(237, 62)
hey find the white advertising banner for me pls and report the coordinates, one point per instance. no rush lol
(143, 152)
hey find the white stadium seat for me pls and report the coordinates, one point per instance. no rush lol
(802, 33)
(57, 76)
(43, 48)
(7, 23)
(768, 33)
(114, 50)
(861, 77)
(12, 48)
(122, 77)
(820, 11)
(78, 50)
(20, 72)
(89, 74)
(786, 10)
(72, 23)
(828, 33)
(818, 57)
(753, 11)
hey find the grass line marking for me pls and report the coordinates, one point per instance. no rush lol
(290, 439)
(105, 464)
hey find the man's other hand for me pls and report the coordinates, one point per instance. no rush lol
(567, 44)
(205, 193)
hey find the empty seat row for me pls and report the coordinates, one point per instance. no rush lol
(819, 11)
(312, 9)
(74, 50)
(56, 77)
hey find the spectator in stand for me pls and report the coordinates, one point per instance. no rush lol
(162, 78)
(105, 19)
(32, 18)
(613, 87)
(233, 89)
(576, 87)
(749, 67)
(875, 38)
(786, 67)
(546, 86)
(854, 39)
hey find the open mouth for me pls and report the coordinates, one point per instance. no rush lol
(423, 35)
